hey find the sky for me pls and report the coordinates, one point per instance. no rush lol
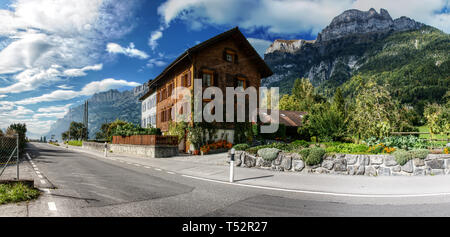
(56, 53)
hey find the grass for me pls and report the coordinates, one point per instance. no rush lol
(17, 192)
(435, 136)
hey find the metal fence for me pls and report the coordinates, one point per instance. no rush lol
(9, 153)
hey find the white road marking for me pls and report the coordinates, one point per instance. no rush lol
(157, 169)
(320, 192)
(138, 165)
(43, 181)
(147, 167)
(36, 169)
(52, 206)
(129, 163)
(37, 172)
(170, 172)
(46, 190)
(40, 176)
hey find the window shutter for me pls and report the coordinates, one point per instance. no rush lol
(236, 60)
(225, 55)
(189, 79)
(216, 79)
(200, 75)
(235, 82)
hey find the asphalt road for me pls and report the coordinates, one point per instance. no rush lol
(81, 184)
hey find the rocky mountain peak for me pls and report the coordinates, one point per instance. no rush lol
(354, 21)
(287, 46)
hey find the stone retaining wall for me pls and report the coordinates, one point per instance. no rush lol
(151, 151)
(347, 164)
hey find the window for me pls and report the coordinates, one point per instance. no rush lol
(207, 79)
(230, 56)
(241, 82)
(169, 90)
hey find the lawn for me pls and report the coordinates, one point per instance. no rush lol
(17, 192)
(436, 136)
(75, 143)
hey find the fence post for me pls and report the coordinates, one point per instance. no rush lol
(17, 162)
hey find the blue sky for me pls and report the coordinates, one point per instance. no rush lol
(55, 54)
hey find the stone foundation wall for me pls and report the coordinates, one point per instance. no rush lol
(347, 164)
(151, 151)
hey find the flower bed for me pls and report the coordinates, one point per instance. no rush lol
(216, 147)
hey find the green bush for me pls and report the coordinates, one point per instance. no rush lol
(75, 143)
(419, 153)
(400, 142)
(254, 150)
(304, 153)
(298, 144)
(241, 147)
(315, 156)
(268, 154)
(402, 156)
(347, 148)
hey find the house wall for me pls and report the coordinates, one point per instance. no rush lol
(148, 111)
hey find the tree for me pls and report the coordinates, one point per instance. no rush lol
(375, 113)
(290, 102)
(339, 101)
(77, 131)
(177, 129)
(1, 133)
(325, 122)
(438, 118)
(64, 136)
(21, 130)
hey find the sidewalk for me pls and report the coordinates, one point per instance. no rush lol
(215, 168)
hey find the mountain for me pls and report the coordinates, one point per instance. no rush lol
(411, 57)
(103, 107)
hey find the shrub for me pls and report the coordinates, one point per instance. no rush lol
(419, 153)
(315, 156)
(268, 154)
(400, 142)
(347, 148)
(304, 153)
(75, 143)
(17, 192)
(279, 145)
(402, 156)
(241, 147)
(298, 143)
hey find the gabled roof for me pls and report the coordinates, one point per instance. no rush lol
(235, 32)
(288, 118)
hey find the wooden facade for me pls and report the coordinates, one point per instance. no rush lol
(227, 60)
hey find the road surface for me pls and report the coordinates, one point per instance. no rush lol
(81, 184)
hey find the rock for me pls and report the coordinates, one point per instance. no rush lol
(419, 171)
(351, 169)
(396, 168)
(390, 161)
(351, 159)
(447, 163)
(328, 164)
(249, 161)
(286, 162)
(298, 165)
(376, 159)
(260, 162)
(437, 171)
(340, 165)
(408, 167)
(364, 160)
(277, 161)
(238, 159)
(361, 170)
(321, 170)
(384, 171)
(418, 162)
(370, 171)
(435, 164)
(295, 156)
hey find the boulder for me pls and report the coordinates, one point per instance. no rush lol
(340, 165)
(376, 159)
(286, 162)
(384, 171)
(435, 164)
(260, 162)
(408, 167)
(328, 164)
(249, 161)
(396, 168)
(418, 162)
(298, 165)
(361, 170)
(419, 171)
(437, 172)
(351, 159)
(370, 171)
(390, 161)
(364, 160)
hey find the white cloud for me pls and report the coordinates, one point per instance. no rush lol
(88, 90)
(260, 45)
(154, 37)
(292, 16)
(49, 115)
(52, 109)
(129, 51)
(3, 96)
(80, 72)
(156, 62)
(33, 78)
